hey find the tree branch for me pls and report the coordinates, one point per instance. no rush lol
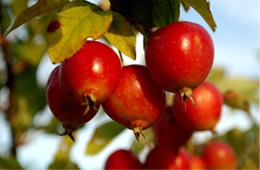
(9, 84)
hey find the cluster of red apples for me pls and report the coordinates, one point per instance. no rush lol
(178, 59)
(216, 155)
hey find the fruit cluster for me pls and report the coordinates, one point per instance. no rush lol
(216, 155)
(178, 59)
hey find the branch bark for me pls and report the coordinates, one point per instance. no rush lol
(9, 84)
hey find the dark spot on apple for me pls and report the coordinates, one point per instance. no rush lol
(69, 93)
(53, 26)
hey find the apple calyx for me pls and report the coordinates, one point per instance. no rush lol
(137, 131)
(213, 131)
(90, 102)
(185, 93)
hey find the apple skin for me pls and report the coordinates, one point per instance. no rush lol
(137, 103)
(66, 110)
(182, 160)
(206, 114)
(223, 158)
(163, 158)
(169, 132)
(94, 71)
(123, 159)
(179, 55)
(159, 158)
(197, 162)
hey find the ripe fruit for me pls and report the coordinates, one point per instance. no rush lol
(123, 159)
(219, 155)
(162, 158)
(206, 113)
(182, 160)
(159, 158)
(196, 162)
(179, 57)
(69, 112)
(169, 132)
(138, 102)
(92, 74)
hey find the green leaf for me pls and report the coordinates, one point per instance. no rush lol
(53, 127)
(40, 8)
(30, 52)
(63, 164)
(5, 19)
(216, 74)
(142, 12)
(122, 36)
(37, 27)
(26, 87)
(29, 98)
(148, 13)
(236, 101)
(202, 7)
(185, 5)
(18, 6)
(103, 135)
(165, 12)
(245, 87)
(9, 163)
(245, 145)
(70, 28)
(139, 145)
(62, 157)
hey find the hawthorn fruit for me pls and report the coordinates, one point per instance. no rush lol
(123, 159)
(91, 75)
(206, 114)
(66, 110)
(169, 132)
(219, 155)
(179, 57)
(137, 103)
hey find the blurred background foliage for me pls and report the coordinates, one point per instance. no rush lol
(23, 96)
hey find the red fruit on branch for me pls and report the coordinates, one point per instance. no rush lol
(137, 103)
(123, 159)
(169, 132)
(206, 114)
(66, 110)
(182, 160)
(159, 158)
(92, 74)
(162, 158)
(179, 57)
(197, 162)
(219, 155)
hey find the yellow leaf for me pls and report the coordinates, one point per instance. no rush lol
(103, 135)
(122, 36)
(40, 8)
(202, 7)
(70, 28)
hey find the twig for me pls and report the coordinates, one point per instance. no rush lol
(10, 84)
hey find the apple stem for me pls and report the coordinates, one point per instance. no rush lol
(121, 57)
(213, 131)
(69, 132)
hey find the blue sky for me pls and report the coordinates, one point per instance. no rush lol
(236, 40)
